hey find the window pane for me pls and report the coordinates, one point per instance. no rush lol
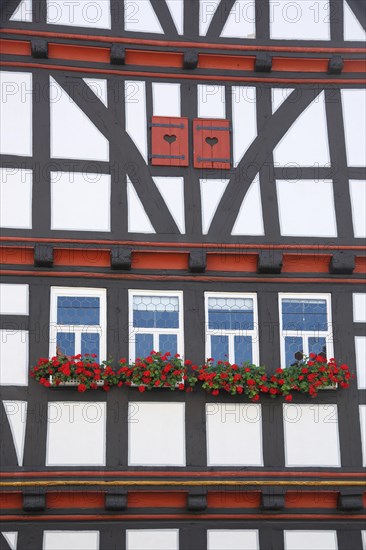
(156, 311)
(90, 343)
(77, 310)
(168, 342)
(220, 348)
(144, 344)
(293, 344)
(304, 314)
(66, 343)
(243, 349)
(230, 313)
(317, 345)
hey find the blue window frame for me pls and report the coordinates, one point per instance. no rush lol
(305, 324)
(78, 321)
(156, 319)
(231, 327)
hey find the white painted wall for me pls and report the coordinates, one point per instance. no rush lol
(16, 198)
(73, 134)
(358, 202)
(296, 203)
(235, 427)
(359, 307)
(79, 13)
(80, 201)
(360, 345)
(311, 435)
(299, 20)
(156, 434)
(70, 540)
(233, 539)
(135, 109)
(354, 110)
(211, 101)
(15, 113)
(241, 20)
(152, 539)
(14, 299)
(16, 412)
(76, 433)
(311, 540)
(306, 141)
(362, 409)
(166, 98)
(13, 357)
(141, 17)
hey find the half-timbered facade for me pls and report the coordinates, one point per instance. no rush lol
(185, 176)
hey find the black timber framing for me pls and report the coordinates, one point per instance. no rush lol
(125, 159)
(192, 533)
(191, 14)
(194, 335)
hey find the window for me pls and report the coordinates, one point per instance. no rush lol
(78, 321)
(305, 326)
(156, 319)
(232, 327)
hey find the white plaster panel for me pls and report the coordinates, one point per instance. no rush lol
(211, 194)
(362, 409)
(152, 539)
(141, 17)
(250, 217)
(138, 220)
(176, 8)
(14, 299)
(16, 198)
(166, 99)
(11, 538)
(13, 357)
(306, 141)
(211, 101)
(15, 113)
(230, 426)
(172, 191)
(241, 20)
(354, 114)
(70, 540)
(311, 540)
(207, 11)
(83, 426)
(233, 539)
(156, 434)
(23, 12)
(311, 435)
(363, 533)
(359, 307)
(16, 412)
(79, 13)
(300, 20)
(135, 105)
(360, 345)
(279, 95)
(357, 190)
(80, 201)
(352, 28)
(99, 88)
(244, 120)
(296, 201)
(73, 135)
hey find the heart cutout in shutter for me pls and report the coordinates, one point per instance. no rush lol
(211, 141)
(170, 138)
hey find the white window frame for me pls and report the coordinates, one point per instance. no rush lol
(231, 333)
(306, 334)
(155, 331)
(101, 329)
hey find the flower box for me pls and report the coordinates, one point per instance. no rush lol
(73, 383)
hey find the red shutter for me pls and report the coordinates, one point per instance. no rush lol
(169, 141)
(211, 143)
